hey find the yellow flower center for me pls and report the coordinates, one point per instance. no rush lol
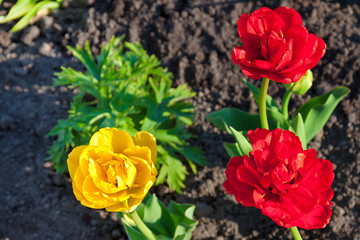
(120, 172)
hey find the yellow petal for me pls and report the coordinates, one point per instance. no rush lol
(127, 206)
(143, 170)
(102, 138)
(73, 159)
(77, 182)
(94, 194)
(141, 191)
(119, 207)
(144, 138)
(133, 203)
(117, 197)
(142, 152)
(87, 154)
(100, 179)
(116, 139)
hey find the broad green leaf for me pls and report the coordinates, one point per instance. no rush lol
(317, 110)
(270, 103)
(276, 119)
(297, 126)
(243, 144)
(174, 222)
(236, 118)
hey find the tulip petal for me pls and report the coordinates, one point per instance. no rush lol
(289, 16)
(143, 170)
(242, 196)
(73, 159)
(146, 139)
(116, 139)
(77, 182)
(116, 197)
(94, 194)
(118, 207)
(319, 217)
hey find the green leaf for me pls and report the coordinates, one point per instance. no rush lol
(232, 149)
(86, 58)
(297, 126)
(276, 119)
(243, 144)
(166, 223)
(25, 20)
(20, 8)
(192, 154)
(270, 103)
(124, 87)
(317, 110)
(236, 118)
(173, 170)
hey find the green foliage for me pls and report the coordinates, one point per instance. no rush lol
(308, 120)
(26, 10)
(270, 102)
(126, 88)
(172, 222)
(236, 118)
(317, 110)
(297, 126)
(242, 144)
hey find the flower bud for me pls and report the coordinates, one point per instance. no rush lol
(303, 85)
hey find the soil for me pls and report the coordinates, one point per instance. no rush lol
(194, 40)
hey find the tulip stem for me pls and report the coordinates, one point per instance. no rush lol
(262, 103)
(296, 234)
(285, 103)
(141, 225)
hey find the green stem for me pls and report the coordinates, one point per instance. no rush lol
(285, 103)
(262, 104)
(296, 234)
(141, 225)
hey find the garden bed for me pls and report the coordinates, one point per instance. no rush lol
(194, 40)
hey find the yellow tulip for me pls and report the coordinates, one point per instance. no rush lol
(115, 171)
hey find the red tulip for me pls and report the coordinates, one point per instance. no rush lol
(290, 185)
(276, 45)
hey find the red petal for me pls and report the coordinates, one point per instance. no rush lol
(318, 174)
(289, 16)
(243, 197)
(299, 35)
(244, 175)
(265, 20)
(298, 202)
(277, 47)
(319, 217)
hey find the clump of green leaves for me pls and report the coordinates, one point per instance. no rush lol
(27, 10)
(124, 87)
(307, 121)
(174, 222)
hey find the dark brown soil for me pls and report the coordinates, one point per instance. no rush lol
(194, 39)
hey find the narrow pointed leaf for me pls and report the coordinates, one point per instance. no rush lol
(298, 127)
(243, 143)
